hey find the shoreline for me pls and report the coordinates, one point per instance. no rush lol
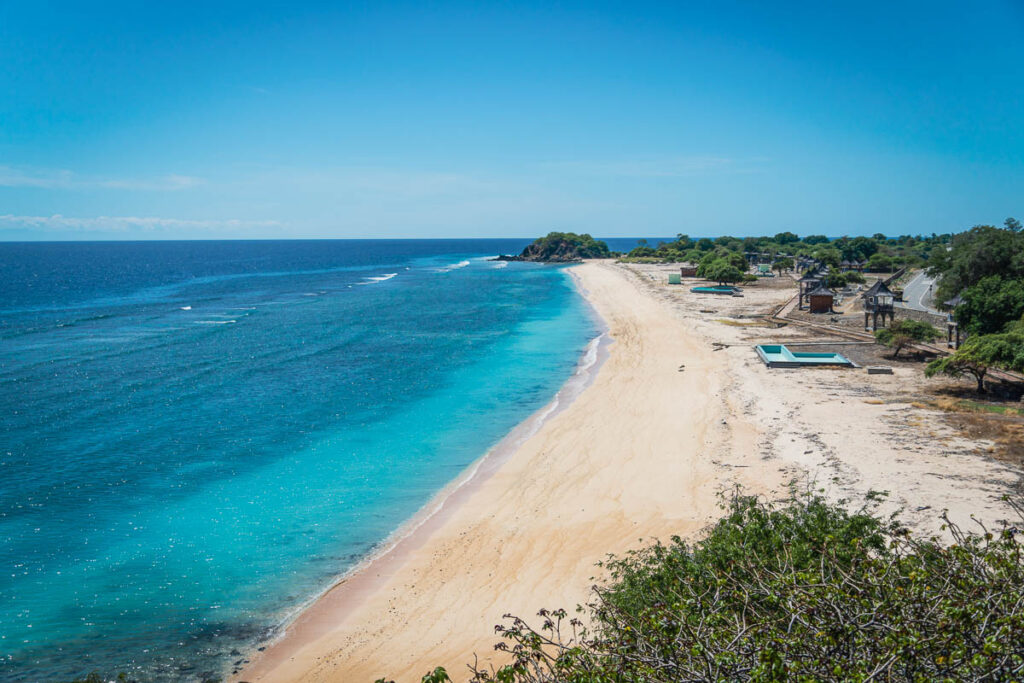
(624, 462)
(353, 584)
(678, 411)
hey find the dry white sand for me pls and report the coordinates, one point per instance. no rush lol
(641, 454)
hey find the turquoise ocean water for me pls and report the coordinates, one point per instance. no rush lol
(197, 437)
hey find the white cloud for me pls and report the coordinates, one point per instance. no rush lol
(57, 222)
(68, 180)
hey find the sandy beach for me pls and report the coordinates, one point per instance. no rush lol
(680, 410)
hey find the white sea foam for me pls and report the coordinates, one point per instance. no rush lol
(215, 322)
(377, 278)
(449, 268)
(186, 308)
(501, 264)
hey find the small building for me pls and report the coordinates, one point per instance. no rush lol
(878, 302)
(674, 279)
(808, 283)
(688, 270)
(821, 300)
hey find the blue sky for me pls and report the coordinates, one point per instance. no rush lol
(128, 120)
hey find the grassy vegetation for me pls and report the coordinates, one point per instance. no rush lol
(800, 591)
(964, 405)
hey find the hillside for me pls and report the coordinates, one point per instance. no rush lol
(562, 247)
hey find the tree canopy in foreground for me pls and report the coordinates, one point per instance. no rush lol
(805, 591)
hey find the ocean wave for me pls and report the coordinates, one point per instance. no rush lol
(377, 278)
(454, 266)
(501, 264)
(186, 308)
(215, 322)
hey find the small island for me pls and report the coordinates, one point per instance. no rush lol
(562, 247)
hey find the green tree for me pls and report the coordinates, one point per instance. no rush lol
(564, 246)
(730, 243)
(816, 239)
(722, 272)
(733, 258)
(786, 238)
(830, 256)
(879, 263)
(835, 280)
(905, 332)
(859, 249)
(990, 304)
(782, 265)
(981, 252)
(981, 353)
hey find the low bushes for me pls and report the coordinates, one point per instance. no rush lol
(804, 591)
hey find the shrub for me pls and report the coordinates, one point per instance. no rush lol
(836, 280)
(905, 332)
(805, 591)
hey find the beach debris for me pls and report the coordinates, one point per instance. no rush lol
(879, 370)
(681, 368)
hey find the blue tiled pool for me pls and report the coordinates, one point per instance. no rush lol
(778, 356)
(721, 289)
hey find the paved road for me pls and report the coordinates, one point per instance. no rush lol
(917, 294)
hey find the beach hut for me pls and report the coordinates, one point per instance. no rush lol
(688, 270)
(808, 283)
(878, 301)
(674, 279)
(821, 300)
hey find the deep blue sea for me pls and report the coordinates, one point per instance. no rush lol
(197, 437)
